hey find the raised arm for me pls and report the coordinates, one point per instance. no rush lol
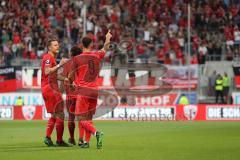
(107, 41)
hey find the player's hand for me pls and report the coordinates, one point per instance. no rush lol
(63, 61)
(72, 86)
(109, 35)
(66, 81)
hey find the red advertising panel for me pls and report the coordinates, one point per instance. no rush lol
(191, 112)
(237, 81)
(28, 113)
(7, 79)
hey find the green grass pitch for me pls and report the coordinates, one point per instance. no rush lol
(123, 140)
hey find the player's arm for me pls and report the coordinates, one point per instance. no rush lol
(71, 79)
(61, 87)
(49, 70)
(107, 42)
(62, 78)
(64, 81)
(71, 75)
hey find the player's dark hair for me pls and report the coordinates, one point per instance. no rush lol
(50, 40)
(86, 41)
(75, 50)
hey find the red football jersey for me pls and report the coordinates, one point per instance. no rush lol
(87, 66)
(51, 79)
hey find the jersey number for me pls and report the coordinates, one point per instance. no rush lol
(92, 73)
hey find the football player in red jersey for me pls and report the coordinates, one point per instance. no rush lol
(70, 97)
(51, 93)
(87, 69)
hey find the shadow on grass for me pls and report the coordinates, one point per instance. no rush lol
(26, 147)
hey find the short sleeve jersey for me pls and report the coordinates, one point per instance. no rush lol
(48, 79)
(87, 67)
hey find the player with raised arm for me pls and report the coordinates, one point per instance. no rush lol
(86, 75)
(51, 93)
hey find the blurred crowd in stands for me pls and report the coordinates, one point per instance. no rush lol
(156, 28)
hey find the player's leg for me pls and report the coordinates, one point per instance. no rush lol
(49, 130)
(80, 108)
(81, 134)
(87, 134)
(71, 120)
(92, 111)
(83, 120)
(71, 128)
(59, 106)
(88, 125)
(84, 143)
(52, 120)
(60, 130)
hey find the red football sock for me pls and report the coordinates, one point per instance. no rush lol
(50, 126)
(88, 126)
(88, 134)
(81, 130)
(59, 128)
(71, 128)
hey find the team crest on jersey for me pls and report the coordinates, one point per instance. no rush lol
(47, 61)
(28, 112)
(190, 111)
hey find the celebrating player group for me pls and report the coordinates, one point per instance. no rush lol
(79, 80)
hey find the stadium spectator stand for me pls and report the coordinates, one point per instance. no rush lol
(156, 27)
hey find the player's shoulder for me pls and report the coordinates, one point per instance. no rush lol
(47, 59)
(85, 56)
(100, 51)
(46, 56)
(75, 58)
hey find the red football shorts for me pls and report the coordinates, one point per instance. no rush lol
(85, 106)
(53, 100)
